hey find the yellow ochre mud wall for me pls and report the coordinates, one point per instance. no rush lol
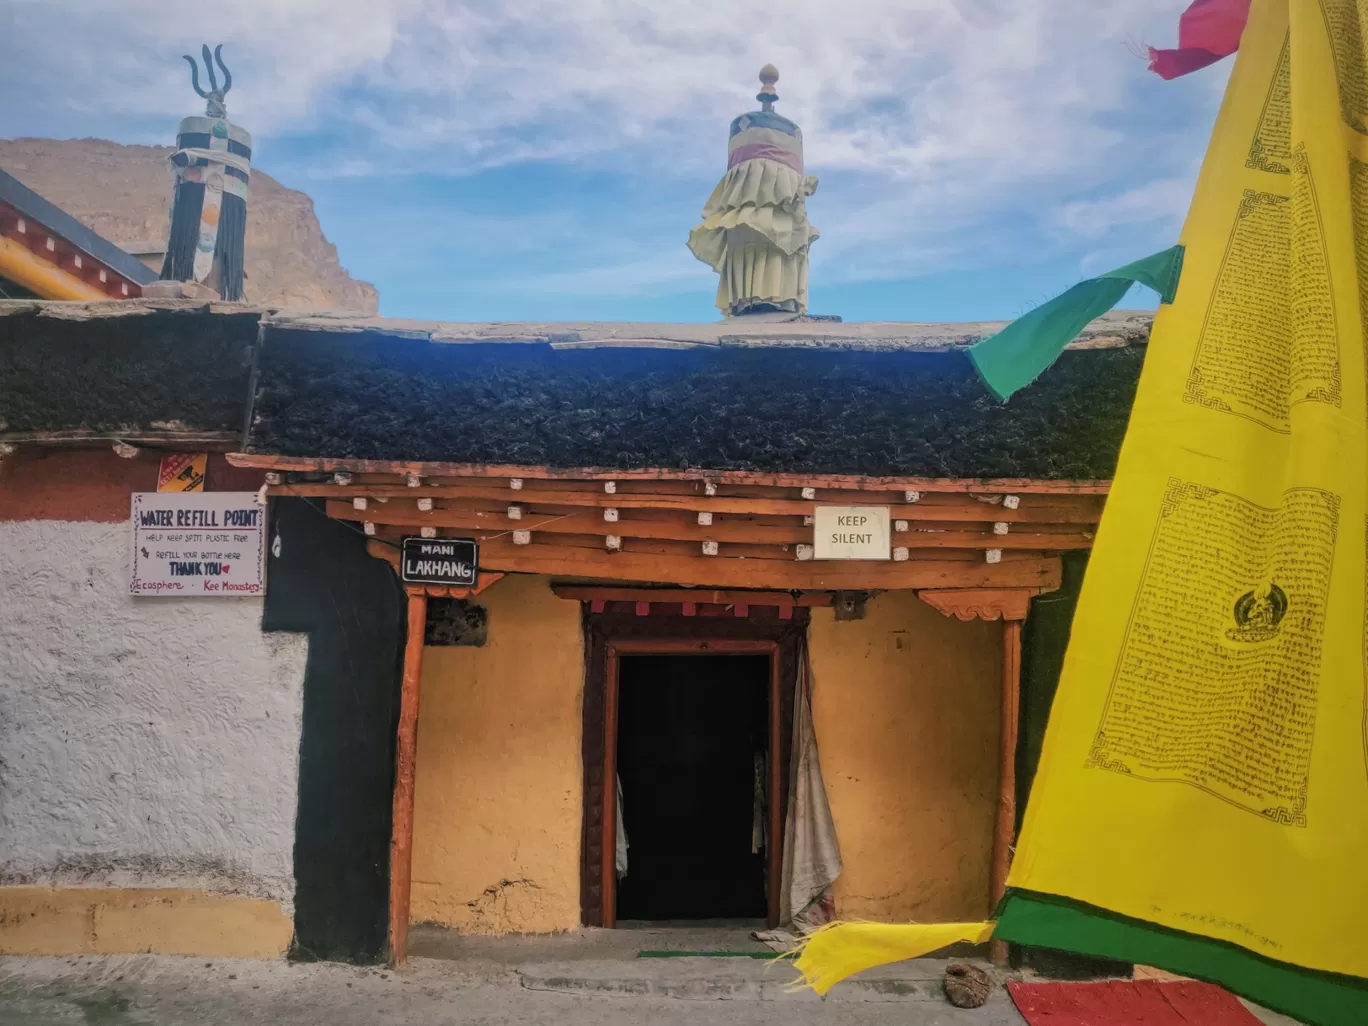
(498, 798)
(905, 705)
(100, 921)
(906, 710)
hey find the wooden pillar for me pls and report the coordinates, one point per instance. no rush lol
(1004, 829)
(401, 836)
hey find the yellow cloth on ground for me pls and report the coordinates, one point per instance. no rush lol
(1206, 762)
(840, 950)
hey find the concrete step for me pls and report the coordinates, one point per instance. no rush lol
(730, 979)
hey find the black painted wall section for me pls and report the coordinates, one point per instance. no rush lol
(352, 608)
(1043, 644)
(922, 414)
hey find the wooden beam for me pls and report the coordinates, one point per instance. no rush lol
(561, 502)
(698, 596)
(44, 277)
(1042, 573)
(783, 575)
(216, 441)
(405, 514)
(1014, 485)
(1004, 828)
(401, 837)
(388, 551)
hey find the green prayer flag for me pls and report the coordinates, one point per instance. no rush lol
(1019, 353)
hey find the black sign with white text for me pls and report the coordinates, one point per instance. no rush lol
(451, 561)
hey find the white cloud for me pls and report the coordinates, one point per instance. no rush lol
(946, 121)
(1163, 201)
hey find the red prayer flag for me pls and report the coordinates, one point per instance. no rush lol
(1207, 31)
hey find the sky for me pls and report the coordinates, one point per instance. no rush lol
(529, 160)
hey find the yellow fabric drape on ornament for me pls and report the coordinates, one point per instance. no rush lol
(755, 234)
(1205, 767)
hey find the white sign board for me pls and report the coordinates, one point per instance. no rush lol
(851, 532)
(198, 543)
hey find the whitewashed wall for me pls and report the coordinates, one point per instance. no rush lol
(143, 742)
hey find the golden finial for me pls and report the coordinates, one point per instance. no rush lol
(769, 75)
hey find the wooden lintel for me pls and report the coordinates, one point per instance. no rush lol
(689, 596)
(1022, 486)
(1039, 573)
(981, 603)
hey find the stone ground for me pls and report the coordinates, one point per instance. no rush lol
(586, 979)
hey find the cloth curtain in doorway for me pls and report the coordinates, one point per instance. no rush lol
(812, 854)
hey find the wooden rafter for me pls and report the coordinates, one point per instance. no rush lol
(698, 531)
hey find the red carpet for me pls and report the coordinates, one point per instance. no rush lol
(1129, 1003)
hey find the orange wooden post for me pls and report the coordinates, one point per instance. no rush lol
(1004, 832)
(401, 836)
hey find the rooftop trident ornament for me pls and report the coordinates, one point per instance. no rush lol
(213, 164)
(215, 96)
(755, 232)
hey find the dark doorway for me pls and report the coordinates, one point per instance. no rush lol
(693, 732)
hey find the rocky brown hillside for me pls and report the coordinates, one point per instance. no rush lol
(124, 193)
